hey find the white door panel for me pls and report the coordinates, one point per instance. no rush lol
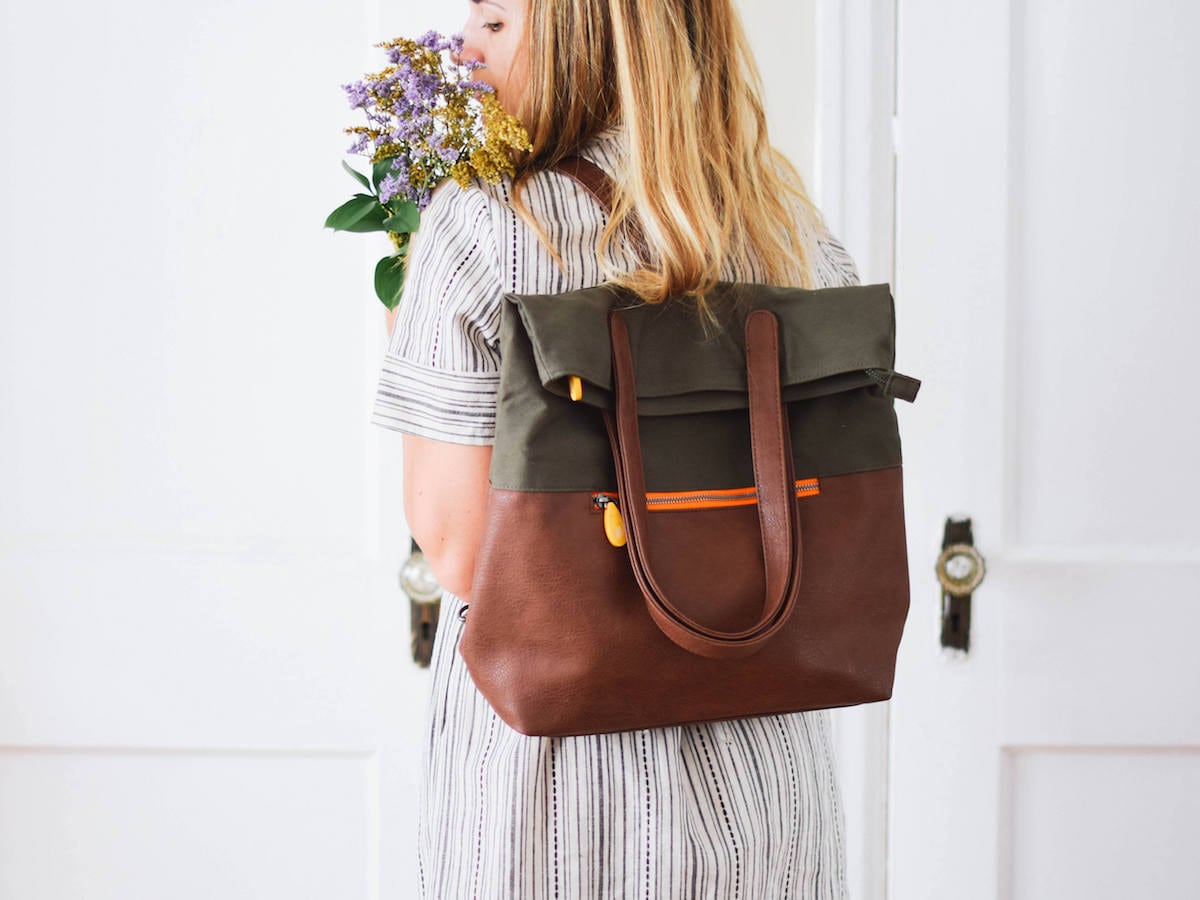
(1147, 808)
(189, 824)
(206, 687)
(1046, 221)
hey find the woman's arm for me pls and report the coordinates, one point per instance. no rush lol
(445, 498)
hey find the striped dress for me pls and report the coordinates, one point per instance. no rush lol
(744, 808)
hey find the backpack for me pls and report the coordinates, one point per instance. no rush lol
(684, 526)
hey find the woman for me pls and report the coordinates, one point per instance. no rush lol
(665, 97)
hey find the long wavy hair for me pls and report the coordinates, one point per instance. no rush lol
(703, 181)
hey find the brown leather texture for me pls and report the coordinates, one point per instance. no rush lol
(558, 639)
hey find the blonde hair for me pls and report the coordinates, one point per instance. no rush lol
(703, 181)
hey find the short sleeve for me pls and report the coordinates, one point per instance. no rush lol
(834, 266)
(440, 373)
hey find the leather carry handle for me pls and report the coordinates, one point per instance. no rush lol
(772, 456)
(777, 505)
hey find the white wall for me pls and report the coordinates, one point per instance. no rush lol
(785, 44)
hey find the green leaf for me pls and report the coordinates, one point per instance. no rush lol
(372, 221)
(359, 209)
(389, 281)
(381, 168)
(362, 179)
(405, 218)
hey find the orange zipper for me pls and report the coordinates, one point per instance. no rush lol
(660, 501)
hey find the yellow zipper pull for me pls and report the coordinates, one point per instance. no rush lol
(575, 384)
(614, 528)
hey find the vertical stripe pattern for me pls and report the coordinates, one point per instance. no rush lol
(743, 808)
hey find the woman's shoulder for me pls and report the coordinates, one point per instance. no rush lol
(833, 266)
(451, 201)
(571, 218)
(456, 206)
(606, 149)
(455, 231)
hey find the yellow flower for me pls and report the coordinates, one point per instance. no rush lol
(461, 172)
(491, 157)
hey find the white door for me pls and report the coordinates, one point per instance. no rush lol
(1047, 234)
(206, 687)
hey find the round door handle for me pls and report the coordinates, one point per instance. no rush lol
(418, 581)
(960, 569)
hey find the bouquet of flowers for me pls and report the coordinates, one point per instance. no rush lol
(426, 120)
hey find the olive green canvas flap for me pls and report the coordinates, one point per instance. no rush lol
(833, 339)
(836, 373)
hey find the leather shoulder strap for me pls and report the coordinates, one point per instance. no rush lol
(591, 176)
(598, 183)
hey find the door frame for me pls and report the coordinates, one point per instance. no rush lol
(854, 171)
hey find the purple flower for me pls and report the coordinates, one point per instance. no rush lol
(390, 186)
(427, 86)
(405, 131)
(446, 153)
(358, 94)
(433, 41)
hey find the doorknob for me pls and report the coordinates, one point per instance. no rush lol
(425, 602)
(960, 569)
